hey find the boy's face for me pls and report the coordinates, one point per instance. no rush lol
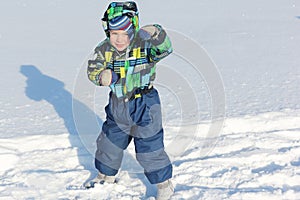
(119, 39)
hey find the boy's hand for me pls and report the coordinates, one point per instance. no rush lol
(107, 77)
(148, 32)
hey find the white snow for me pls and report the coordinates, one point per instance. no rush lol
(255, 46)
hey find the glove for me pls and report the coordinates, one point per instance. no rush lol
(107, 77)
(148, 32)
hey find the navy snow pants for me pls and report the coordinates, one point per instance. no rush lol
(139, 119)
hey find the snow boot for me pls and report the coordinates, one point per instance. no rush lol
(164, 190)
(101, 178)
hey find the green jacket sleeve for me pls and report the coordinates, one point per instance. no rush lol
(97, 64)
(161, 45)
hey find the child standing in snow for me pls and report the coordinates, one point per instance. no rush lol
(125, 61)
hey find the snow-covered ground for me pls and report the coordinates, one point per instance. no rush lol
(255, 46)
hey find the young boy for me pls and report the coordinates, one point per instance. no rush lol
(125, 61)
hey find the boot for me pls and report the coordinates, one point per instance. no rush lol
(101, 178)
(164, 190)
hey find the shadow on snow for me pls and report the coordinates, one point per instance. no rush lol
(82, 136)
(42, 87)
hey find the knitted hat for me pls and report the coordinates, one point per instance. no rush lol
(122, 23)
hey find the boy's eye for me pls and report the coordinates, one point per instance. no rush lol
(121, 34)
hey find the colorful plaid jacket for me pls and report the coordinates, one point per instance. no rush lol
(135, 67)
